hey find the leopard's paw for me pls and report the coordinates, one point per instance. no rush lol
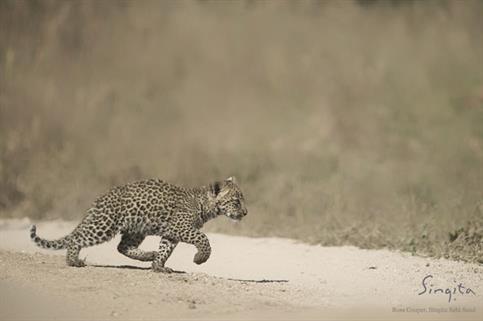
(161, 269)
(201, 257)
(77, 263)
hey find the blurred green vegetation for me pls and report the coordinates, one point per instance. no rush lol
(355, 123)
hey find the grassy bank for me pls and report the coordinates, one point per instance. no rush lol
(346, 123)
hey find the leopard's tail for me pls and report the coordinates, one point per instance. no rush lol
(46, 244)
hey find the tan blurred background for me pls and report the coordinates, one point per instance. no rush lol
(345, 122)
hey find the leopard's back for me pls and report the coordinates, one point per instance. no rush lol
(143, 206)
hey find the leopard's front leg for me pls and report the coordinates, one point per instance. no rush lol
(166, 247)
(200, 240)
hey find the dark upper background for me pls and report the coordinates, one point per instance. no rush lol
(345, 122)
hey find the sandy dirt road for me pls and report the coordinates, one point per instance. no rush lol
(245, 278)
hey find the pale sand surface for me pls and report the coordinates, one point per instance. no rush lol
(320, 283)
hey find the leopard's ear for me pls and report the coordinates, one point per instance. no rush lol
(222, 193)
(216, 188)
(232, 179)
(219, 189)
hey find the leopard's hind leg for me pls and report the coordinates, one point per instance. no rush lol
(129, 247)
(72, 257)
(95, 228)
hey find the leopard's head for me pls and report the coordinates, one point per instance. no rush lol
(229, 199)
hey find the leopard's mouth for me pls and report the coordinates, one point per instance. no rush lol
(235, 218)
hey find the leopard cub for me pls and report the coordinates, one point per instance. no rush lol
(151, 207)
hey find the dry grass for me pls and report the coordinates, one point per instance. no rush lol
(346, 123)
